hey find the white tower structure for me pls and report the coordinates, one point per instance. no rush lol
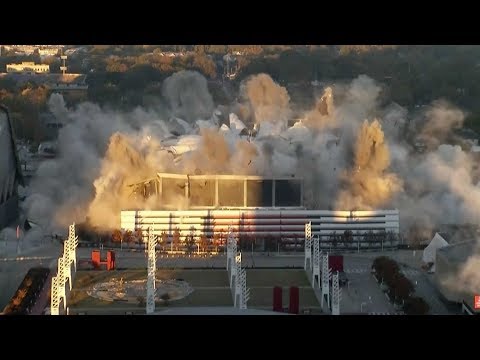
(152, 267)
(245, 291)
(308, 245)
(64, 272)
(67, 263)
(316, 262)
(54, 298)
(61, 282)
(336, 294)
(237, 298)
(237, 265)
(231, 250)
(241, 294)
(73, 242)
(326, 275)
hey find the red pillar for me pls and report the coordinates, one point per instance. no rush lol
(96, 259)
(110, 260)
(277, 299)
(294, 300)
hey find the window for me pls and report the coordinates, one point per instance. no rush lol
(230, 193)
(288, 193)
(259, 193)
(173, 191)
(202, 192)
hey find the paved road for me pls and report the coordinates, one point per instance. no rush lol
(411, 262)
(363, 294)
(14, 270)
(129, 259)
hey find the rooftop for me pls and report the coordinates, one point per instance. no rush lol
(459, 252)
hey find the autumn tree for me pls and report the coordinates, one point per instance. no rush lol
(402, 288)
(128, 237)
(163, 239)
(176, 239)
(190, 243)
(199, 49)
(217, 49)
(205, 65)
(117, 236)
(203, 243)
(217, 238)
(138, 236)
(416, 306)
(385, 268)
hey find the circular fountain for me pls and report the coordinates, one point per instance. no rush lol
(129, 291)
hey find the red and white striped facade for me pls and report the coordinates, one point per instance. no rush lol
(253, 206)
(261, 223)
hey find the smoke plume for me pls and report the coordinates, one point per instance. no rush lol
(56, 105)
(347, 162)
(436, 126)
(268, 100)
(322, 115)
(188, 96)
(369, 185)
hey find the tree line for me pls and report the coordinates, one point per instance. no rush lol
(399, 289)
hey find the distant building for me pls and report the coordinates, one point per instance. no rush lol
(48, 52)
(449, 263)
(10, 172)
(28, 66)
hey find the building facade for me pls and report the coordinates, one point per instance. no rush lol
(28, 66)
(10, 171)
(252, 207)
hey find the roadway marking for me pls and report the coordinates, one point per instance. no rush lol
(383, 313)
(26, 258)
(410, 272)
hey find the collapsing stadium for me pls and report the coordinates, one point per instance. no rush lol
(253, 208)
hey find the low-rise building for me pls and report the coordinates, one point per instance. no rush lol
(28, 67)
